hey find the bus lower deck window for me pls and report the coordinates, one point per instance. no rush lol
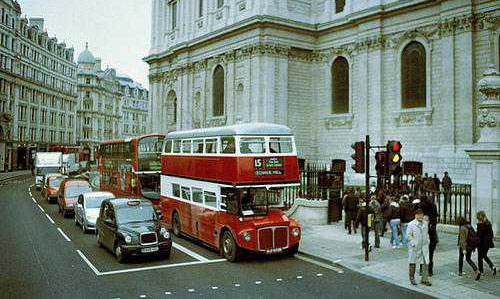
(228, 146)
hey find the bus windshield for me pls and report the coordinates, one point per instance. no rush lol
(246, 202)
(150, 185)
(150, 153)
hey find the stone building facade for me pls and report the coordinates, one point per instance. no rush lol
(111, 106)
(332, 70)
(37, 89)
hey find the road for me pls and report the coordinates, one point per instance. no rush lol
(47, 256)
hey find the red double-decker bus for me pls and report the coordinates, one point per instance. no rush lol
(131, 167)
(216, 185)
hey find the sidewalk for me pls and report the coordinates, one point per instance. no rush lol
(331, 242)
(8, 175)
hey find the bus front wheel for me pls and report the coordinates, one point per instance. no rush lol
(229, 247)
(176, 224)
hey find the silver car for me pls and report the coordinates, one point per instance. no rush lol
(87, 209)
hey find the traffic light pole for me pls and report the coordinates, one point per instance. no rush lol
(367, 193)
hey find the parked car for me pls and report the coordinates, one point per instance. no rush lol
(68, 194)
(51, 186)
(129, 227)
(88, 207)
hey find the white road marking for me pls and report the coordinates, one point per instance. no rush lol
(337, 261)
(168, 293)
(189, 252)
(162, 266)
(63, 234)
(236, 284)
(88, 263)
(50, 219)
(311, 261)
(319, 274)
(279, 279)
(215, 288)
(191, 290)
(142, 296)
(299, 277)
(258, 282)
(40, 207)
(33, 200)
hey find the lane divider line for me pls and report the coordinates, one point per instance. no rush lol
(86, 260)
(63, 234)
(189, 252)
(162, 266)
(50, 219)
(33, 199)
(40, 207)
(311, 261)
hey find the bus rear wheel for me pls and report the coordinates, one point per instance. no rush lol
(176, 224)
(229, 247)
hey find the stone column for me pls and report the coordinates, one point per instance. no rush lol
(485, 154)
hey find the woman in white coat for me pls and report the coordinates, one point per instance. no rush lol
(418, 247)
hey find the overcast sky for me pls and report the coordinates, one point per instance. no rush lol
(118, 31)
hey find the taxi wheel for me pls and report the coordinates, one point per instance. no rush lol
(176, 224)
(120, 257)
(166, 254)
(229, 247)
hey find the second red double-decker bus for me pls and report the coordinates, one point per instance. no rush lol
(131, 167)
(216, 185)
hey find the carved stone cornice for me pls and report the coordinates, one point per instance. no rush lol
(216, 121)
(370, 43)
(155, 78)
(413, 117)
(339, 121)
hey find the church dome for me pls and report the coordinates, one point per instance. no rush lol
(86, 56)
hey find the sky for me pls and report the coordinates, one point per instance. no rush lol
(118, 31)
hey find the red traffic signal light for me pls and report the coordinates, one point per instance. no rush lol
(394, 157)
(359, 157)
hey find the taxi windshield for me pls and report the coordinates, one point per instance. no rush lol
(138, 213)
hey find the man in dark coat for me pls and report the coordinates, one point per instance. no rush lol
(431, 214)
(362, 218)
(351, 209)
(446, 183)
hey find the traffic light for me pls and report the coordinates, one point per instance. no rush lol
(394, 157)
(359, 157)
(381, 162)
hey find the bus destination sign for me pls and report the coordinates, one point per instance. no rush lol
(268, 166)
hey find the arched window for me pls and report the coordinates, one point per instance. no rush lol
(218, 91)
(171, 106)
(413, 76)
(340, 86)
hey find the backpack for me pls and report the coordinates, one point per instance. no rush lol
(472, 238)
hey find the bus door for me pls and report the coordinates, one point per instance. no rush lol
(208, 218)
(197, 211)
(185, 216)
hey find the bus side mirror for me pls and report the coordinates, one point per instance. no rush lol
(223, 206)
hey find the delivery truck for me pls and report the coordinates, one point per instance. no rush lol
(46, 163)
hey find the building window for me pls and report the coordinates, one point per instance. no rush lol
(200, 8)
(413, 76)
(174, 15)
(218, 91)
(339, 6)
(220, 3)
(340, 86)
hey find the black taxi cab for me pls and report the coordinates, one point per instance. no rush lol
(130, 227)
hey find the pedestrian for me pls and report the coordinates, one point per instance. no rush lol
(446, 183)
(407, 216)
(362, 219)
(351, 209)
(418, 251)
(344, 204)
(467, 242)
(378, 220)
(485, 233)
(395, 221)
(430, 212)
(386, 213)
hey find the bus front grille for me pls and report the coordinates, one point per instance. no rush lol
(272, 237)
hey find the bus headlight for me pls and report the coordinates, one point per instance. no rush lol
(128, 239)
(247, 236)
(295, 231)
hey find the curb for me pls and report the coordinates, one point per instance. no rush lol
(384, 278)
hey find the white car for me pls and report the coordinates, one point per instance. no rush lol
(88, 207)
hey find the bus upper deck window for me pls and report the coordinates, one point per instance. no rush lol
(177, 146)
(252, 145)
(211, 146)
(228, 146)
(280, 145)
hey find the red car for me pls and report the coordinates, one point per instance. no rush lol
(68, 194)
(51, 188)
